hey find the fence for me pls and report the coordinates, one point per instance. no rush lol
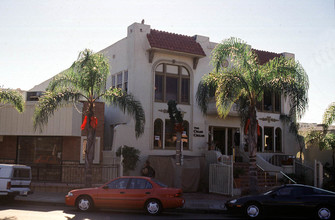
(221, 178)
(73, 173)
(310, 174)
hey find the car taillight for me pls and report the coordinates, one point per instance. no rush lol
(178, 195)
(9, 185)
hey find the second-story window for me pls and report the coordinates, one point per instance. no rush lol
(125, 81)
(119, 80)
(172, 82)
(271, 102)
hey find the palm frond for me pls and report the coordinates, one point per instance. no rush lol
(13, 97)
(91, 71)
(49, 103)
(128, 104)
(329, 115)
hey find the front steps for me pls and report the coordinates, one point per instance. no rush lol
(265, 180)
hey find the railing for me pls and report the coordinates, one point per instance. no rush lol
(73, 173)
(276, 173)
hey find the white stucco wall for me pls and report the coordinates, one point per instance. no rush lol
(131, 54)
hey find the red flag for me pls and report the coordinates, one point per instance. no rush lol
(84, 123)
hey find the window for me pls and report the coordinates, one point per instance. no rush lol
(139, 184)
(170, 136)
(40, 150)
(96, 150)
(158, 134)
(278, 140)
(259, 140)
(118, 184)
(119, 80)
(268, 139)
(125, 81)
(271, 102)
(172, 82)
(34, 96)
(113, 81)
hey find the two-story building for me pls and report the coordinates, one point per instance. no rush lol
(155, 66)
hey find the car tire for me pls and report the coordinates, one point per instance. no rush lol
(84, 203)
(324, 212)
(153, 207)
(253, 210)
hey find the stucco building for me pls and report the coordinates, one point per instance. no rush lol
(155, 66)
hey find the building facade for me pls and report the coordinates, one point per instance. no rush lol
(155, 66)
(158, 66)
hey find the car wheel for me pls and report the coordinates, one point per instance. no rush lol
(84, 203)
(253, 210)
(153, 207)
(324, 212)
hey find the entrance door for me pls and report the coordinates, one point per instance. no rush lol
(224, 139)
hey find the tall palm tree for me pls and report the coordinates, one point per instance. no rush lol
(328, 119)
(244, 83)
(329, 115)
(13, 97)
(85, 81)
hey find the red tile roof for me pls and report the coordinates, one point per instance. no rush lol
(265, 56)
(174, 42)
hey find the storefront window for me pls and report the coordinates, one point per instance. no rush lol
(40, 150)
(278, 140)
(268, 139)
(158, 133)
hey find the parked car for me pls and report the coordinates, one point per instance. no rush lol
(129, 192)
(289, 200)
(14, 180)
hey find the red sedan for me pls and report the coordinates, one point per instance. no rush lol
(128, 192)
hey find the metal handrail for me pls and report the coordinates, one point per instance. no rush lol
(290, 179)
(276, 172)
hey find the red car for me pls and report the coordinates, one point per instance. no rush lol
(128, 192)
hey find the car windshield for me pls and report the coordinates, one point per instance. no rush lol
(159, 183)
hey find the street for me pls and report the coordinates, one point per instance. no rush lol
(49, 212)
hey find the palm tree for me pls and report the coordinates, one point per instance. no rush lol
(244, 83)
(13, 97)
(85, 81)
(328, 119)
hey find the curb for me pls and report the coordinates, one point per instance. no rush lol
(183, 209)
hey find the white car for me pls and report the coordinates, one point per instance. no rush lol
(15, 180)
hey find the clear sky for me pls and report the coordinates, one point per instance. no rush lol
(40, 38)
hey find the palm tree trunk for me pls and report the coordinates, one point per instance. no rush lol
(90, 146)
(89, 156)
(178, 172)
(252, 142)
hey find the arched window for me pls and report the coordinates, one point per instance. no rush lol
(172, 82)
(158, 134)
(278, 140)
(185, 135)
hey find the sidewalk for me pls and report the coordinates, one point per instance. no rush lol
(193, 201)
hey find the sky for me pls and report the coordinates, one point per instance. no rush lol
(40, 38)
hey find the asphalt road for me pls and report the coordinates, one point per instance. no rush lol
(47, 212)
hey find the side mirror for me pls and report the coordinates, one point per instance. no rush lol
(105, 187)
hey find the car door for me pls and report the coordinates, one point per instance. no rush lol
(139, 190)
(288, 200)
(113, 194)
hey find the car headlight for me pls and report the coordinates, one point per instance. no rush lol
(70, 194)
(233, 201)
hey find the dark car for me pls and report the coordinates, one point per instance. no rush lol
(287, 200)
(129, 192)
